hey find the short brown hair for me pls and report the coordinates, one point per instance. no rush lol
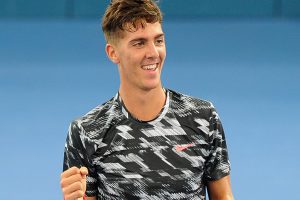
(128, 15)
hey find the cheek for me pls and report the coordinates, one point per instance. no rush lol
(162, 53)
(131, 63)
(135, 59)
(128, 56)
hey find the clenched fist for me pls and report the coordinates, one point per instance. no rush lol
(73, 183)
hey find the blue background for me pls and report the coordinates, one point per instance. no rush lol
(242, 56)
(172, 8)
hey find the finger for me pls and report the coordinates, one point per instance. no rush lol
(77, 186)
(65, 182)
(84, 171)
(70, 172)
(74, 195)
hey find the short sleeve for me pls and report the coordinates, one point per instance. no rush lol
(217, 165)
(78, 153)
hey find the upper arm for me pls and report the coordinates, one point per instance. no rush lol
(220, 189)
(217, 163)
(78, 150)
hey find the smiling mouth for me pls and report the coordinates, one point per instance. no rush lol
(152, 67)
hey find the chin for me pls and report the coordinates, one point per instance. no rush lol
(151, 86)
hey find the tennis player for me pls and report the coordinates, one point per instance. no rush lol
(148, 141)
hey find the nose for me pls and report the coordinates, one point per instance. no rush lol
(152, 51)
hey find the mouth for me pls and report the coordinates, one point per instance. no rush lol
(151, 67)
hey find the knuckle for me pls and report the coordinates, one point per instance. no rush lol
(75, 169)
(62, 183)
(64, 191)
(66, 197)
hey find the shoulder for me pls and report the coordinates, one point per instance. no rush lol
(100, 118)
(185, 105)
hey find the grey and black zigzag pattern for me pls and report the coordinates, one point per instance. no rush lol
(171, 157)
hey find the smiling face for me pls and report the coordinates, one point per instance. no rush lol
(140, 56)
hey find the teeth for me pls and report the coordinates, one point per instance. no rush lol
(149, 67)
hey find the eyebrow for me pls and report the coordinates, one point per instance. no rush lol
(145, 39)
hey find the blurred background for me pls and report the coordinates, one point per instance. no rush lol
(244, 56)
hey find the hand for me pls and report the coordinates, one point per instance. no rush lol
(73, 183)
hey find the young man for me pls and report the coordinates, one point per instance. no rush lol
(147, 142)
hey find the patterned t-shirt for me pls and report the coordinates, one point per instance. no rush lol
(170, 157)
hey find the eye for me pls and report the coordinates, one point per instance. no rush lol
(139, 44)
(159, 41)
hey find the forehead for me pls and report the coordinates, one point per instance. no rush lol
(150, 30)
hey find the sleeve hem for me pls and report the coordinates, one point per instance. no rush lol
(218, 177)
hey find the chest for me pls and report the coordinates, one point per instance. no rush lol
(168, 150)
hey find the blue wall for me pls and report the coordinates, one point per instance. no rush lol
(53, 71)
(171, 8)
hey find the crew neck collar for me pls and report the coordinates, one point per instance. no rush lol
(129, 116)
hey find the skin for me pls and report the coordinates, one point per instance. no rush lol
(140, 89)
(136, 49)
(73, 183)
(220, 189)
(142, 93)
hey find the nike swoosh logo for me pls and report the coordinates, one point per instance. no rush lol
(183, 147)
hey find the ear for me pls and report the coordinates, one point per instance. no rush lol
(111, 53)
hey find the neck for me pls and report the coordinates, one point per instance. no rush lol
(144, 105)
